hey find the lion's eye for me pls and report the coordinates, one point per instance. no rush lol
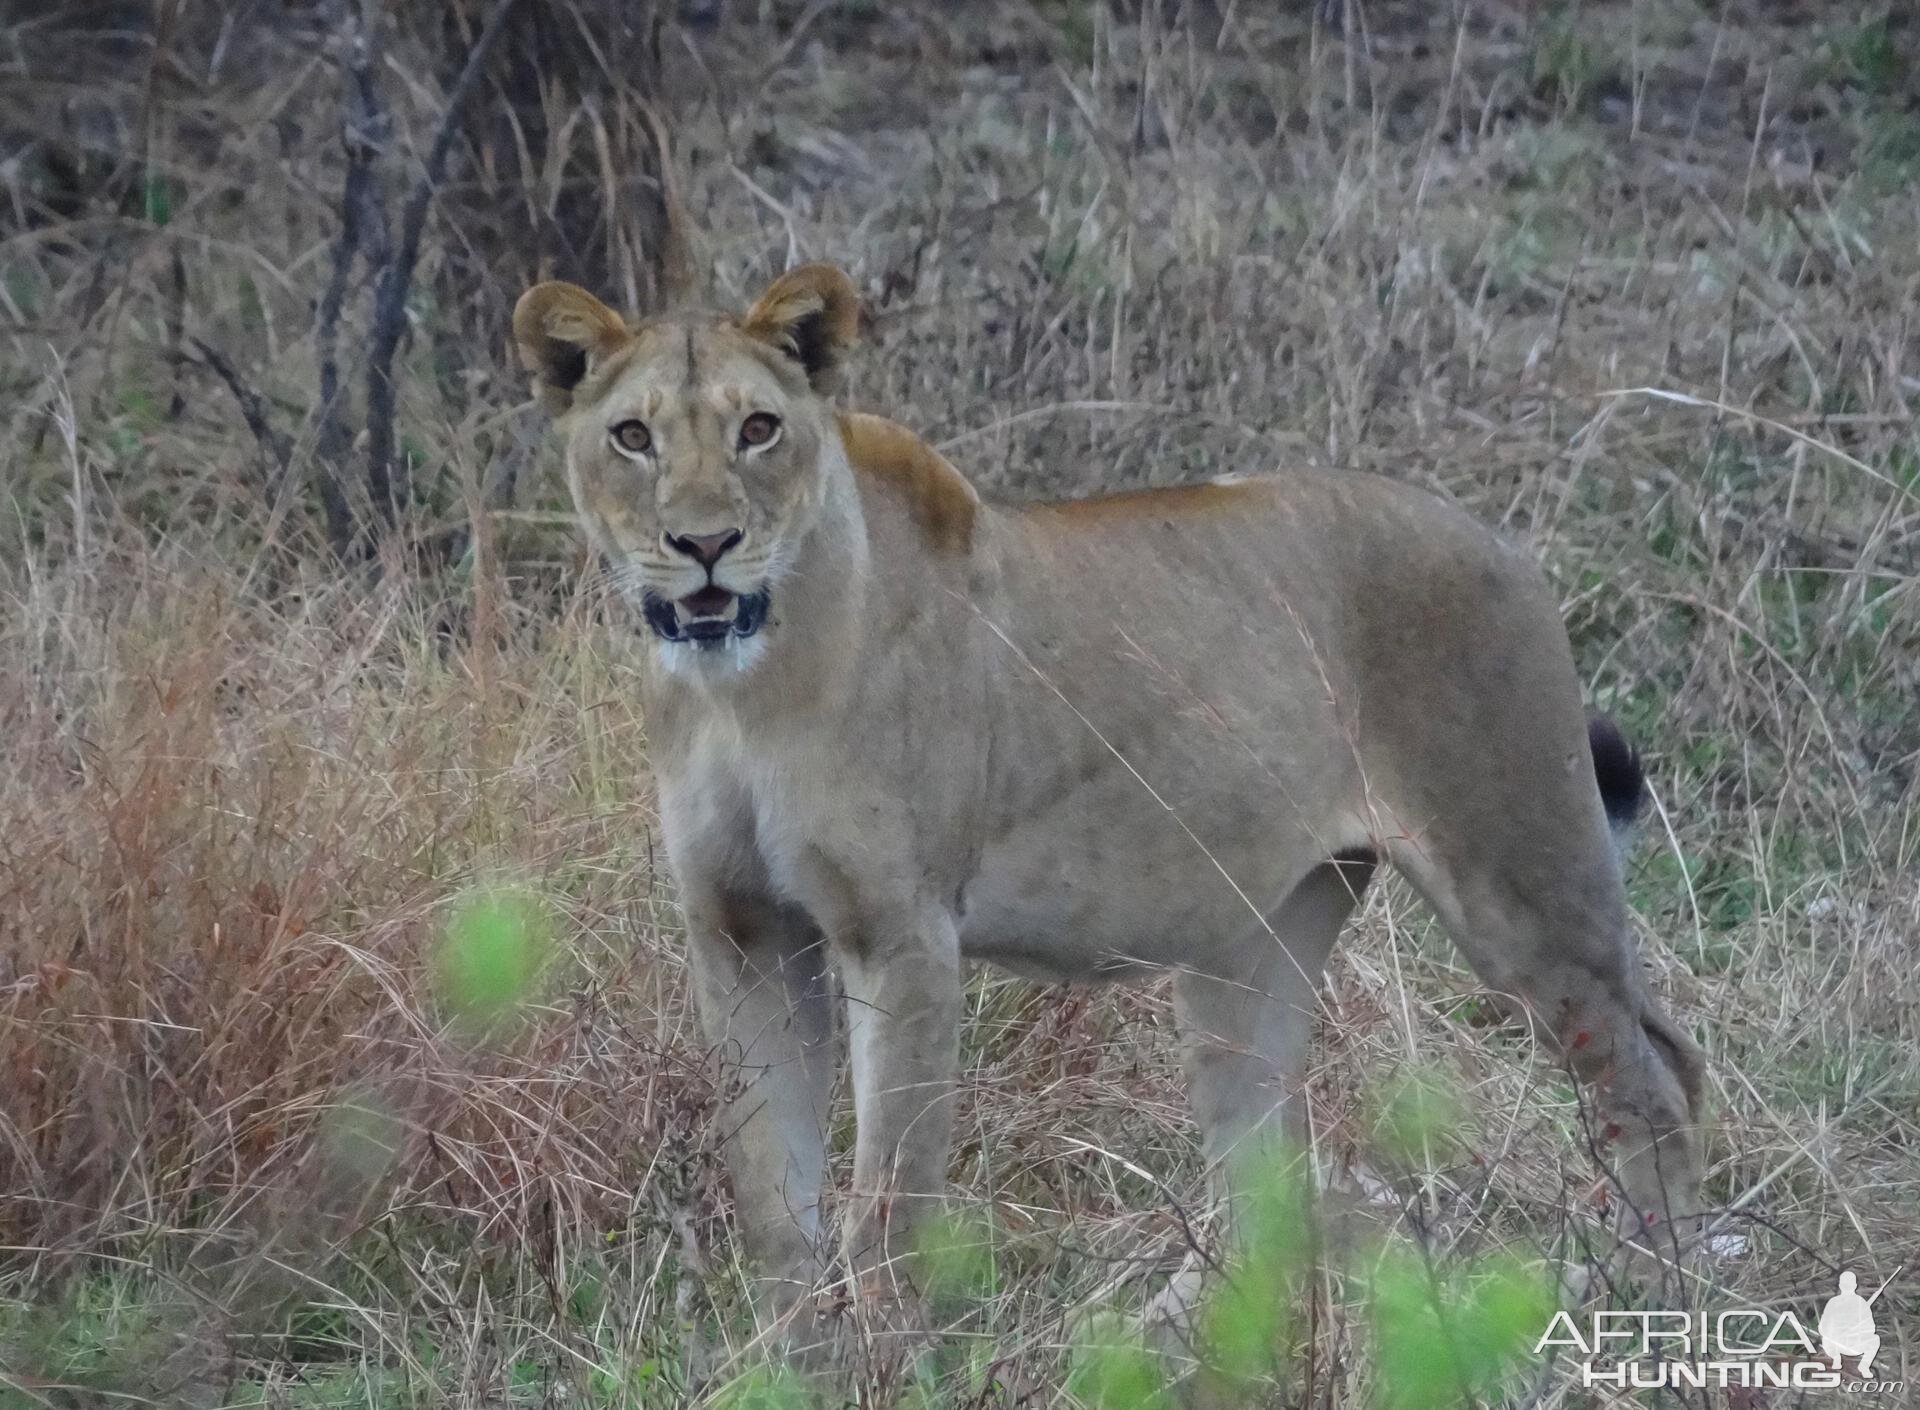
(759, 429)
(633, 437)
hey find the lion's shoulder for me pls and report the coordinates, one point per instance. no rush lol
(941, 500)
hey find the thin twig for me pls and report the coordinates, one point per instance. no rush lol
(253, 410)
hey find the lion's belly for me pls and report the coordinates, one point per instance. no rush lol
(1106, 887)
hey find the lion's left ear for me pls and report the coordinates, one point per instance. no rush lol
(812, 314)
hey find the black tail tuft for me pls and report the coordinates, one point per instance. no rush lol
(1616, 768)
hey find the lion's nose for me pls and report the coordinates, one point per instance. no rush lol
(705, 549)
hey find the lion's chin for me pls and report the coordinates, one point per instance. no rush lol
(708, 619)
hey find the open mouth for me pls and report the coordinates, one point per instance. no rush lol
(709, 617)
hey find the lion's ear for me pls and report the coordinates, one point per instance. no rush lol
(812, 314)
(562, 330)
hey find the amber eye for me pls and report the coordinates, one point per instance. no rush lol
(633, 437)
(759, 429)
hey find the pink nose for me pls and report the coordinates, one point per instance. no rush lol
(704, 549)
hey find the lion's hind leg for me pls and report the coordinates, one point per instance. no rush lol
(1540, 912)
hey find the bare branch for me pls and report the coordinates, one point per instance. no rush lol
(364, 132)
(389, 490)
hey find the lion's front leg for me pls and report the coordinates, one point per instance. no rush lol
(765, 1003)
(901, 973)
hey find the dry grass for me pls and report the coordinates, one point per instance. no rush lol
(241, 1159)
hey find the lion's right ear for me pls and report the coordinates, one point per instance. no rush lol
(562, 330)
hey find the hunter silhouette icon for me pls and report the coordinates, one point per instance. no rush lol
(1846, 1326)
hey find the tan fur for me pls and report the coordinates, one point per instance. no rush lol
(1181, 501)
(1173, 730)
(942, 501)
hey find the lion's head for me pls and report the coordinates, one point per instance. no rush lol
(694, 444)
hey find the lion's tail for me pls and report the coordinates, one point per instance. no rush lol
(1616, 768)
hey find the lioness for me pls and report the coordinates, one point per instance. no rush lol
(896, 728)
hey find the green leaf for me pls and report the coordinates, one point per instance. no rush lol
(494, 948)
